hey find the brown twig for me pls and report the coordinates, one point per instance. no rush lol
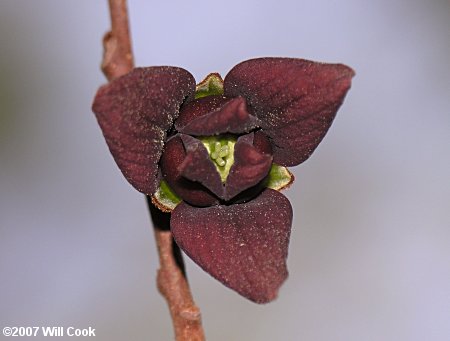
(171, 279)
(172, 283)
(117, 55)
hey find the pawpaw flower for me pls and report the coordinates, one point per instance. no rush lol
(215, 156)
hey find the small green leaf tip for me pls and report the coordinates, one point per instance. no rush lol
(164, 198)
(211, 85)
(279, 177)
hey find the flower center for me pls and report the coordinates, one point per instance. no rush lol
(221, 151)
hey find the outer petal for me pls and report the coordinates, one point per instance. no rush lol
(250, 167)
(244, 245)
(134, 112)
(295, 99)
(232, 117)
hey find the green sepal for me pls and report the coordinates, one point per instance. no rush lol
(211, 85)
(279, 177)
(164, 198)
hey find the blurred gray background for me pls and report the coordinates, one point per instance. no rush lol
(370, 249)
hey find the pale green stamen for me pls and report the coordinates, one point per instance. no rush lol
(221, 149)
(219, 153)
(224, 151)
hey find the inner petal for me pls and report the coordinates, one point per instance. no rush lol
(232, 117)
(250, 167)
(198, 166)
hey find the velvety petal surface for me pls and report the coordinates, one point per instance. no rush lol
(198, 108)
(192, 192)
(232, 117)
(197, 165)
(250, 167)
(134, 112)
(244, 246)
(295, 99)
(262, 143)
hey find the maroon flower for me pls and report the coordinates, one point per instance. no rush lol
(215, 155)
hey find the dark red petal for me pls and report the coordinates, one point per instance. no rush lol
(232, 117)
(295, 99)
(249, 168)
(244, 246)
(192, 192)
(134, 112)
(197, 166)
(262, 143)
(199, 107)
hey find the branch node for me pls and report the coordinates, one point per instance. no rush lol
(191, 313)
